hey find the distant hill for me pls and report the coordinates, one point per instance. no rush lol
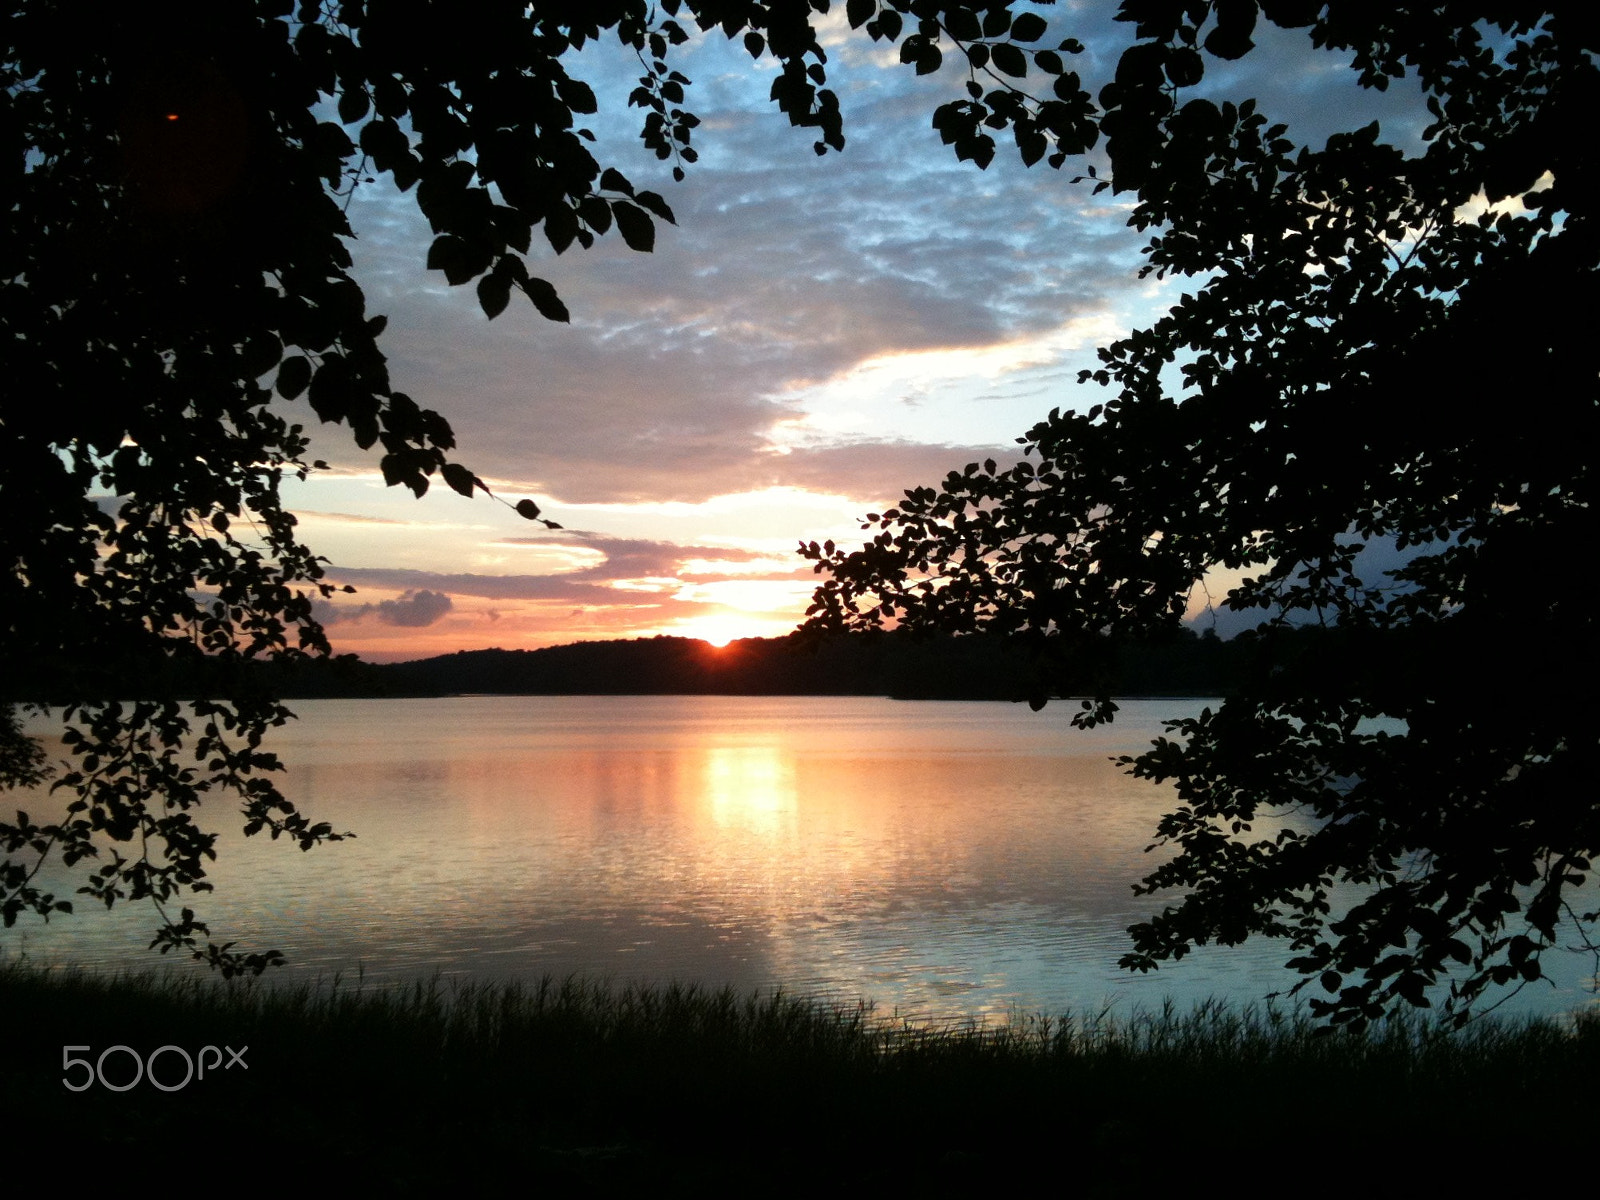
(949, 668)
(974, 667)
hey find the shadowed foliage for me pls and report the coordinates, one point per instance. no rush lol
(1383, 355)
(175, 295)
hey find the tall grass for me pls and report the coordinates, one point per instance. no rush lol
(585, 1087)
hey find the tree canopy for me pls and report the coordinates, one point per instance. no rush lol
(1377, 405)
(176, 279)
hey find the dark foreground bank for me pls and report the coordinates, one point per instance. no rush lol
(577, 1089)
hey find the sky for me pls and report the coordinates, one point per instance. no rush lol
(813, 337)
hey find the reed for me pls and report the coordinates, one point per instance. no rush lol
(585, 1085)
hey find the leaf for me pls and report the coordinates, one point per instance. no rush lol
(979, 149)
(293, 376)
(1028, 27)
(962, 24)
(332, 390)
(389, 97)
(576, 95)
(657, 205)
(1236, 21)
(460, 479)
(1031, 144)
(459, 261)
(560, 227)
(331, 140)
(635, 226)
(353, 105)
(1009, 59)
(494, 293)
(596, 212)
(1185, 67)
(546, 301)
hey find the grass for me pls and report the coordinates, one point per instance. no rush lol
(575, 1088)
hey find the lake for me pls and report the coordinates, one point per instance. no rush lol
(943, 860)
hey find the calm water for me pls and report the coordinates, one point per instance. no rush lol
(954, 859)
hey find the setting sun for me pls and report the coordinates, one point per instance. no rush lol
(721, 628)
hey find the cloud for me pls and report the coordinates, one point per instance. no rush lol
(785, 271)
(348, 518)
(634, 558)
(841, 328)
(412, 610)
(625, 560)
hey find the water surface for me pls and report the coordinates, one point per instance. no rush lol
(943, 859)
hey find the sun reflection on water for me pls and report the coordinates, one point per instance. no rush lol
(749, 786)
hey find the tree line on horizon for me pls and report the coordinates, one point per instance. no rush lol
(897, 665)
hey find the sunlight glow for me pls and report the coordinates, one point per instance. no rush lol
(963, 391)
(750, 786)
(730, 625)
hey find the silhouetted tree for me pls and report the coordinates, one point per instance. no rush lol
(1386, 350)
(174, 254)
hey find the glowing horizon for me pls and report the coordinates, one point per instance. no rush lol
(811, 338)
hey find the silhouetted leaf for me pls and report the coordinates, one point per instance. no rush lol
(494, 293)
(1027, 27)
(459, 478)
(1009, 59)
(459, 261)
(634, 225)
(596, 211)
(657, 205)
(293, 376)
(546, 301)
(963, 24)
(353, 105)
(560, 228)
(1236, 20)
